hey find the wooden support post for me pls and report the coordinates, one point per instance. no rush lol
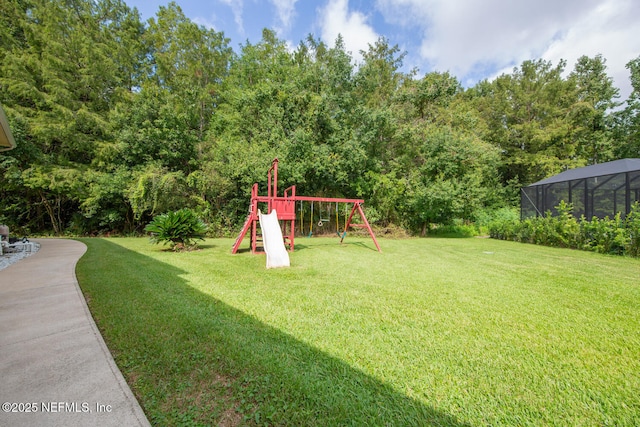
(364, 218)
(243, 232)
(357, 207)
(254, 236)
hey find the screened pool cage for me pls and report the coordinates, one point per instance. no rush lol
(594, 191)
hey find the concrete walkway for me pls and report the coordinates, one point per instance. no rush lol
(53, 360)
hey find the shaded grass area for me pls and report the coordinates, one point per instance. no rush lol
(430, 332)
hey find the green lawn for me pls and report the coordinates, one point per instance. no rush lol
(459, 332)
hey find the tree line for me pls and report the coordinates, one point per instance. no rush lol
(117, 120)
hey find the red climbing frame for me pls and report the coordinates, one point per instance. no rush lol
(285, 206)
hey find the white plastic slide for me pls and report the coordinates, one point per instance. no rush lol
(277, 255)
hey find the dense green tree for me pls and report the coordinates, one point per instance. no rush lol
(189, 60)
(118, 120)
(106, 206)
(446, 171)
(379, 75)
(12, 25)
(256, 111)
(430, 96)
(159, 125)
(375, 125)
(294, 106)
(595, 95)
(65, 80)
(152, 128)
(59, 77)
(453, 177)
(327, 161)
(627, 131)
(526, 115)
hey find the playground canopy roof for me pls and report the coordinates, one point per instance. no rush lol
(6, 139)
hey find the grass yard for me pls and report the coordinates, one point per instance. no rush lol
(455, 332)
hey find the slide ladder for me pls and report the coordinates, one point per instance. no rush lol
(245, 228)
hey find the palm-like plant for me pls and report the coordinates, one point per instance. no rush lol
(180, 229)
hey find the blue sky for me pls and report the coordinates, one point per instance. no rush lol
(471, 39)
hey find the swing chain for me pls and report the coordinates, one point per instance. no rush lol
(323, 220)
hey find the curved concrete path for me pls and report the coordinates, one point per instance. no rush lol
(53, 360)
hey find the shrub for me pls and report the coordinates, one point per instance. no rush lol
(180, 229)
(632, 225)
(501, 224)
(607, 236)
(488, 220)
(454, 230)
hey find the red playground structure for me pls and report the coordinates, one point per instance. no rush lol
(285, 206)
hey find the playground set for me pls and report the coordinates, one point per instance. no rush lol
(285, 208)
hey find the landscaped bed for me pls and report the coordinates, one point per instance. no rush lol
(442, 331)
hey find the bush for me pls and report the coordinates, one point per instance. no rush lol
(454, 230)
(607, 236)
(486, 217)
(633, 229)
(180, 229)
(499, 224)
(488, 221)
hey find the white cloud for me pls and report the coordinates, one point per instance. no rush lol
(357, 33)
(285, 12)
(610, 29)
(472, 39)
(237, 7)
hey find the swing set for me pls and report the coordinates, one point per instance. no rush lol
(322, 220)
(285, 206)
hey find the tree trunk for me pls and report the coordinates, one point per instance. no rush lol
(424, 229)
(52, 215)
